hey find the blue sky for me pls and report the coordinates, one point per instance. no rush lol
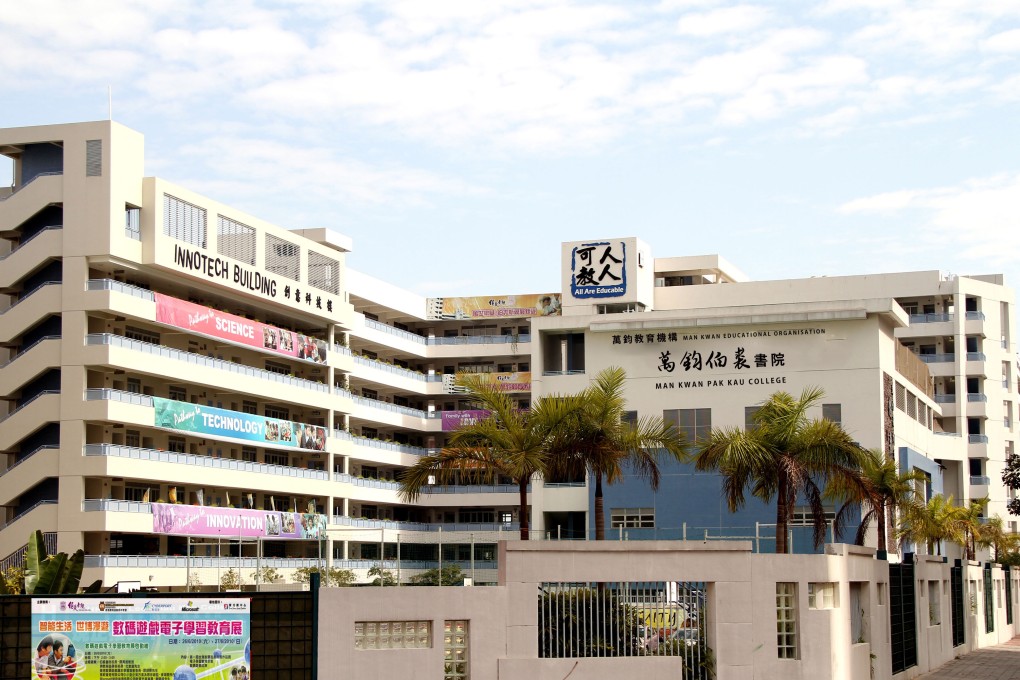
(459, 142)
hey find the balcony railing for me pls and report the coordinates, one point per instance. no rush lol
(949, 434)
(574, 371)
(975, 316)
(980, 481)
(119, 287)
(200, 360)
(402, 334)
(26, 296)
(930, 318)
(937, 358)
(396, 370)
(182, 562)
(30, 239)
(975, 356)
(471, 488)
(391, 565)
(41, 174)
(202, 461)
(25, 350)
(31, 453)
(375, 403)
(106, 394)
(343, 520)
(22, 513)
(27, 403)
(945, 398)
(379, 444)
(976, 396)
(480, 340)
(977, 438)
(367, 483)
(113, 505)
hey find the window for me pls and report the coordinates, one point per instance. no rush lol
(901, 397)
(802, 516)
(249, 407)
(477, 515)
(455, 650)
(141, 334)
(141, 494)
(177, 393)
(235, 240)
(133, 438)
(278, 412)
(392, 635)
(629, 418)
(184, 221)
(976, 467)
(248, 453)
(749, 413)
(134, 385)
(823, 596)
(175, 444)
(786, 620)
(694, 424)
(276, 458)
(857, 603)
(833, 412)
(283, 257)
(277, 367)
(132, 222)
(632, 518)
(934, 604)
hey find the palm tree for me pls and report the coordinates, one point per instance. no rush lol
(932, 523)
(510, 442)
(784, 454)
(995, 536)
(971, 525)
(601, 441)
(878, 491)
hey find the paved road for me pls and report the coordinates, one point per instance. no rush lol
(993, 663)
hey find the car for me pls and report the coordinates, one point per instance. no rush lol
(688, 636)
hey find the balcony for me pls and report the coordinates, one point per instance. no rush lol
(574, 371)
(937, 358)
(112, 505)
(975, 316)
(385, 445)
(118, 287)
(977, 438)
(343, 520)
(397, 332)
(396, 370)
(980, 481)
(480, 340)
(204, 361)
(182, 562)
(976, 356)
(106, 394)
(945, 398)
(202, 461)
(976, 396)
(930, 318)
(382, 405)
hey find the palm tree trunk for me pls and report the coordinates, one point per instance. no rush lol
(600, 512)
(782, 500)
(881, 528)
(523, 511)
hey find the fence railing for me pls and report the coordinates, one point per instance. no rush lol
(120, 287)
(107, 394)
(22, 512)
(480, 340)
(379, 444)
(31, 453)
(382, 405)
(27, 295)
(28, 403)
(30, 239)
(119, 451)
(200, 360)
(930, 318)
(937, 358)
(22, 352)
(343, 520)
(183, 562)
(975, 316)
(41, 174)
(400, 333)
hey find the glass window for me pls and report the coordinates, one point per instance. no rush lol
(823, 596)
(455, 650)
(833, 412)
(392, 635)
(694, 423)
(632, 518)
(786, 620)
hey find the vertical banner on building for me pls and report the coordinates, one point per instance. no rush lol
(133, 639)
(237, 329)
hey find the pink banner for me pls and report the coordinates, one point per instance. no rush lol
(237, 329)
(193, 520)
(454, 420)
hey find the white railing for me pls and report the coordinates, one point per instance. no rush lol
(396, 370)
(405, 335)
(375, 403)
(343, 520)
(106, 394)
(112, 505)
(949, 434)
(30, 239)
(119, 451)
(481, 340)
(930, 318)
(368, 483)
(29, 294)
(119, 287)
(200, 360)
(379, 444)
(28, 403)
(25, 350)
(182, 562)
(41, 174)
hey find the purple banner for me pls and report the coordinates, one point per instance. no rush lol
(192, 520)
(454, 420)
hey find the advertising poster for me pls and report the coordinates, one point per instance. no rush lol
(138, 639)
(518, 381)
(503, 306)
(237, 329)
(454, 420)
(193, 520)
(183, 416)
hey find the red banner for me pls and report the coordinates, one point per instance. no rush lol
(237, 329)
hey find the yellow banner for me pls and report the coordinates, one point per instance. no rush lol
(501, 307)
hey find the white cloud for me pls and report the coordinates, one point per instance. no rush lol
(978, 217)
(738, 19)
(1006, 41)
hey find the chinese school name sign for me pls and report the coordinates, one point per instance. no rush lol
(598, 270)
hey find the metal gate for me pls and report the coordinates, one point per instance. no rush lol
(956, 596)
(902, 614)
(989, 600)
(1008, 573)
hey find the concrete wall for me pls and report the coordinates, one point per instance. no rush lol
(740, 618)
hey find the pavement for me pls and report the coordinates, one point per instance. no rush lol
(1001, 662)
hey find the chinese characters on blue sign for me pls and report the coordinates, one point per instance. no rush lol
(598, 270)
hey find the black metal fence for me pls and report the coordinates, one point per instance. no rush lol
(902, 614)
(956, 593)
